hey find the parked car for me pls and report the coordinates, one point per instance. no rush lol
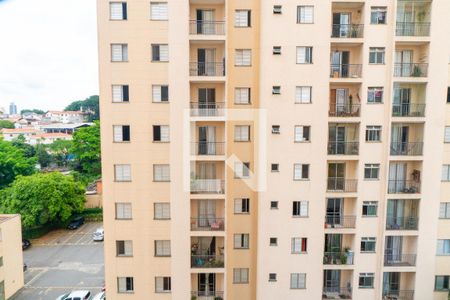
(76, 295)
(100, 296)
(99, 234)
(25, 244)
(76, 223)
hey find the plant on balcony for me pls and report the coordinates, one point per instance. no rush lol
(218, 298)
(343, 258)
(194, 298)
(354, 31)
(417, 72)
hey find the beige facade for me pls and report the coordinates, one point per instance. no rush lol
(257, 150)
(11, 260)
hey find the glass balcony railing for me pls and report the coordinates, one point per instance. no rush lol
(208, 148)
(345, 70)
(401, 148)
(344, 110)
(207, 261)
(347, 31)
(207, 68)
(209, 223)
(410, 70)
(399, 260)
(211, 109)
(207, 27)
(343, 148)
(207, 186)
(338, 184)
(403, 186)
(337, 292)
(408, 110)
(334, 221)
(412, 29)
(402, 223)
(338, 258)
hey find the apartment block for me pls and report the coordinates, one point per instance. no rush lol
(293, 149)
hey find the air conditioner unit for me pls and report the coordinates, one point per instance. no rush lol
(276, 129)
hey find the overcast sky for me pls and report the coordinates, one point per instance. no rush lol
(48, 52)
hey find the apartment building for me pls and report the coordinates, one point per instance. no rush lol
(293, 149)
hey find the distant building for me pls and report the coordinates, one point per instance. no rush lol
(12, 109)
(49, 138)
(11, 134)
(65, 116)
(64, 128)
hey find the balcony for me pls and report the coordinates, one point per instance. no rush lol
(347, 31)
(338, 184)
(199, 27)
(211, 109)
(208, 224)
(412, 29)
(398, 294)
(344, 110)
(207, 252)
(207, 286)
(343, 148)
(337, 222)
(337, 292)
(337, 284)
(338, 258)
(345, 70)
(403, 186)
(402, 223)
(401, 148)
(410, 70)
(207, 295)
(207, 68)
(208, 148)
(207, 186)
(408, 110)
(207, 261)
(399, 260)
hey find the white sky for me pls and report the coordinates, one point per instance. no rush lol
(48, 52)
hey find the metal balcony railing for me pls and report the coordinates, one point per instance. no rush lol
(207, 261)
(399, 260)
(344, 110)
(208, 148)
(402, 223)
(211, 109)
(209, 295)
(207, 186)
(207, 224)
(400, 148)
(347, 31)
(207, 68)
(343, 148)
(207, 27)
(333, 221)
(338, 258)
(408, 110)
(412, 29)
(345, 70)
(410, 70)
(336, 292)
(398, 295)
(338, 184)
(403, 186)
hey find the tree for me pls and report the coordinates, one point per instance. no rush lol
(86, 149)
(6, 124)
(43, 157)
(88, 104)
(13, 162)
(20, 142)
(43, 199)
(60, 151)
(36, 111)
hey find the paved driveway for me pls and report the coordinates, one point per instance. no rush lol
(62, 261)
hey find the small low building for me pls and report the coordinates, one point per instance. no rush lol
(12, 134)
(49, 138)
(64, 128)
(66, 116)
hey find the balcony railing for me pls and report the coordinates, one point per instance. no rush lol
(333, 221)
(211, 109)
(210, 295)
(398, 295)
(338, 258)
(343, 148)
(208, 148)
(344, 110)
(207, 224)
(403, 186)
(345, 71)
(207, 261)
(400, 148)
(347, 30)
(336, 292)
(207, 27)
(402, 223)
(207, 69)
(338, 184)
(207, 186)
(408, 110)
(412, 29)
(410, 70)
(399, 260)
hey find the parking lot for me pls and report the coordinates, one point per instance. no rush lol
(61, 261)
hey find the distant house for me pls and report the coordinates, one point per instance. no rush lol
(49, 138)
(11, 134)
(65, 116)
(64, 128)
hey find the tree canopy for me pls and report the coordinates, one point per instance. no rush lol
(13, 162)
(90, 103)
(6, 124)
(34, 110)
(86, 149)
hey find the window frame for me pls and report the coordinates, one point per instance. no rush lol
(299, 94)
(299, 14)
(374, 169)
(368, 205)
(166, 11)
(308, 55)
(373, 131)
(377, 53)
(366, 280)
(372, 95)
(164, 208)
(163, 178)
(368, 241)
(300, 278)
(130, 210)
(240, 59)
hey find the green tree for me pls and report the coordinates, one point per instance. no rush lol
(13, 162)
(6, 124)
(43, 198)
(20, 142)
(91, 104)
(42, 155)
(60, 151)
(36, 111)
(86, 149)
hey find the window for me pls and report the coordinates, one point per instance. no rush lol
(272, 277)
(376, 55)
(161, 173)
(301, 171)
(276, 129)
(446, 173)
(447, 134)
(303, 94)
(276, 50)
(242, 96)
(242, 206)
(371, 171)
(378, 15)
(276, 90)
(119, 52)
(158, 11)
(117, 10)
(298, 280)
(275, 167)
(375, 95)
(160, 93)
(301, 133)
(125, 285)
(273, 204)
(277, 9)
(124, 248)
(369, 208)
(305, 14)
(299, 245)
(241, 170)
(121, 133)
(443, 247)
(161, 133)
(373, 133)
(243, 57)
(163, 284)
(240, 275)
(160, 52)
(1, 261)
(368, 244)
(366, 280)
(241, 133)
(441, 283)
(241, 241)
(448, 94)
(273, 241)
(122, 172)
(304, 55)
(123, 211)
(161, 211)
(120, 93)
(162, 248)
(300, 208)
(242, 18)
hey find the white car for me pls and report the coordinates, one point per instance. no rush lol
(76, 295)
(99, 234)
(100, 296)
